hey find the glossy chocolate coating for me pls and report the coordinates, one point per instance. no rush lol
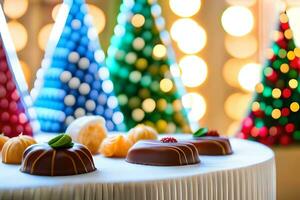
(41, 159)
(152, 152)
(209, 145)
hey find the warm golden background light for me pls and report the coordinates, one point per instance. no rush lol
(194, 39)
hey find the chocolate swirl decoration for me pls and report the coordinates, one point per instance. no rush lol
(59, 157)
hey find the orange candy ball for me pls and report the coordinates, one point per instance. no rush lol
(115, 146)
(142, 132)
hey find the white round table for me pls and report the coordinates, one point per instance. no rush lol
(247, 174)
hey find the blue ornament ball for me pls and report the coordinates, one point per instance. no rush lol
(69, 111)
(99, 110)
(94, 94)
(88, 78)
(81, 101)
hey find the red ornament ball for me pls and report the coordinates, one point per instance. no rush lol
(168, 140)
(14, 119)
(259, 113)
(15, 95)
(295, 63)
(3, 78)
(4, 103)
(10, 86)
(273, 131)
(254, 132)
(286, 93)
(4, 117)
(272, 77)
(282, 43)
(284, 26)
(248, 122)
(263, 132)
(289, 127)
(2, 92)
(23, 118)
(285, 112)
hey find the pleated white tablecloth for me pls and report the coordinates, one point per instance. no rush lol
(247, 174)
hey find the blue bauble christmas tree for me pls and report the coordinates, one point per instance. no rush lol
(73, 81)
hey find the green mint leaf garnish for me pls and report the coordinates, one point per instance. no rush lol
(201, 132)
(61, 141)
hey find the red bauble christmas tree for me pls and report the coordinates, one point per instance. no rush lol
(274, 113)
(16, 116)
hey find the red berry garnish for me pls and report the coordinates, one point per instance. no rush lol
(213, 133)
(168, 140)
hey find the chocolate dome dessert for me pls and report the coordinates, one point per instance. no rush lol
(167, 152)
(59, 157)
(210, 143)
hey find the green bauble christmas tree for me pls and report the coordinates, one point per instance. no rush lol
(142, 65)
(274, 115)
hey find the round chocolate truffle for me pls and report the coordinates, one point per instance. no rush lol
(42, 159)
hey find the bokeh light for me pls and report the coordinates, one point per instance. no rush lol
(43, 36)
(166, 85)
(98, 16)
(294, 16)
(194, 70)
(236, 105)
(293, 83)
(138, 114)
(19, 34)
(231, 71)
(178, 27)
(241, 2)
(55, 11)
(138, 20)
(241, 47)
(237, 20)
(186, 8)
(233, 128)
(276, 113)
(294, 107)
(159, 51)
(148, 105)
(197, 105)
(189, 35)
(15, 8)
(249, 76)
